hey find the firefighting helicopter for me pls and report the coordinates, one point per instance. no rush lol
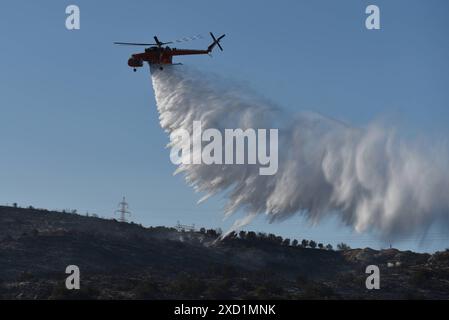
(160, 56)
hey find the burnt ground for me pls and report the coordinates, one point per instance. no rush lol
(127, 261)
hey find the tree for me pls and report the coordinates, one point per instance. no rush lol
(329, 247)
(242, 234)
(262, 236)
(211, 232)
(272, 238)
(343, 246)
(251, 235)
(312, 244)
(286, 242)
(320, 245)
(279, 240)
(230, 236)
(14, 204)
(304, 243)
(295, 243)
(203, 230)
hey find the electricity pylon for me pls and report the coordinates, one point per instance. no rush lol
(123, 210)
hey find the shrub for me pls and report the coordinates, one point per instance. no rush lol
(60, 292)
(25, 276)
(315, 290)
(301, 280)
(188, 286)
(147, 289)
(421, 277)
(219, 290)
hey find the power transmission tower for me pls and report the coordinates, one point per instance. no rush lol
(183, 227)
(123, 210)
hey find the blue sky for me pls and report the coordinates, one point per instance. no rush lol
(79, 129)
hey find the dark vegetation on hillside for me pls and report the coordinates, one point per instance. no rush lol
(127, 261)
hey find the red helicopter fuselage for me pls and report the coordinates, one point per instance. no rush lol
(161, 56)
(156, 55)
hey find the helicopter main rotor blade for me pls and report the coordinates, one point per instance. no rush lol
(159, 43)
(135, 44)
(186, 39)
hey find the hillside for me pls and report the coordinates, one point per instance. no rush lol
(127, 261)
